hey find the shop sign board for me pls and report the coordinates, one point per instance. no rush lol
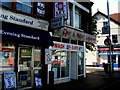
(65, 46)
(20, 19)
(74, 34)
(9, 80)
(57, 22)
(61, 9)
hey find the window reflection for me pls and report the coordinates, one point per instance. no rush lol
(24, 6)
(80, 63)
(60, 64)
(5, 3)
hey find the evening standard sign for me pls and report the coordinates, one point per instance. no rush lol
(20, 19)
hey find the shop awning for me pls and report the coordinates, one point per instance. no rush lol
(24, 35)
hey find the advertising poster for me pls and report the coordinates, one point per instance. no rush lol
(9, 80)
(38, 81)
(7, 57)
(48, 56)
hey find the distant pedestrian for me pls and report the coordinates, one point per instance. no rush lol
(105, 66)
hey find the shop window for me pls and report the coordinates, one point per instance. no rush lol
(113, 58)
(7, 56)
(8, 4)
(56, 39)
(64, 64)
(60, 63)
(37, 57)
(24, 6)
(25, 57)
(56, 63)
(73, 42)
(65, 40)
(80, 63)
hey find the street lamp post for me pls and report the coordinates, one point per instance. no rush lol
(110, 59)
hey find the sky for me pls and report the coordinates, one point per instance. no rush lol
(101, 5)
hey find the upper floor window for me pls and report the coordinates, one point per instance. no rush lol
(105, 28)
(24, 6)
(69, 20)
(77, 18)
(8, 4)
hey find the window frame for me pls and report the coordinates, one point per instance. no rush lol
(77, 12)
(26, 5)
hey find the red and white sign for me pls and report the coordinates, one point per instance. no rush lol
(65, 46)
(61, 9)
(73, 34)
(59, 45)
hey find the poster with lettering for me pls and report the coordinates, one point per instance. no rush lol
(9, 80)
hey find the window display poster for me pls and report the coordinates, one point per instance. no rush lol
(9, 80)
(38, 81)
(48, 56)
(7, 57)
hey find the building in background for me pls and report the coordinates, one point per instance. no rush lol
(103, 54)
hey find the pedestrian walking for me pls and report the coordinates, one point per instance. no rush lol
(105, 66)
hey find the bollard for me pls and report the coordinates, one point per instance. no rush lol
(51, 78)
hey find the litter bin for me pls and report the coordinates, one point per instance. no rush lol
(51, 78)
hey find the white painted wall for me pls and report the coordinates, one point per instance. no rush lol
(91, 56)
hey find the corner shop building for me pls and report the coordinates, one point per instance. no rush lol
(23, 43)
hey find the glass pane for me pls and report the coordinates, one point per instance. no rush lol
(7, 56)
(56, 63)
(37, 57)
(28, 2)
(25, 57)
(6, 3)
(77, 21)
(24, 7)
(64, 64)
(80, 63)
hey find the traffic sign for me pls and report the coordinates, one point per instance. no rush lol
(107, 42)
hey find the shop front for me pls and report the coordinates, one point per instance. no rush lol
(104, 56)
(64, 59)
(22, 52)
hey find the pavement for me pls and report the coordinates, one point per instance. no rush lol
(95, 80)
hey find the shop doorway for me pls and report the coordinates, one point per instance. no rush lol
(74, 66)
(29, 65)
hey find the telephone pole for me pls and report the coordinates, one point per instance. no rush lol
(109, 59)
